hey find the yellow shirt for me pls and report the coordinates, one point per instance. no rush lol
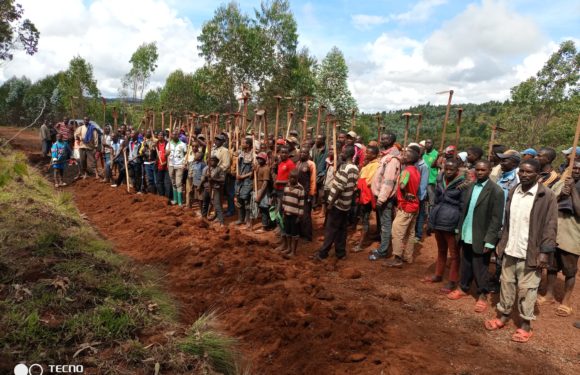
(369, 170)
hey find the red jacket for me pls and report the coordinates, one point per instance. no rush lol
(409, 202)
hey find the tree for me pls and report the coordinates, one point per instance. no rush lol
(76, 84)
(540, 105)
(332, 88)
(14, 91)
(15, 32)
(179, 92)
(250, 50)
(143, 65)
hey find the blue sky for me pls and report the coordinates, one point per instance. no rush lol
(399, 52)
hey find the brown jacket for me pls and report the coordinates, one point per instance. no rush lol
(543, 225)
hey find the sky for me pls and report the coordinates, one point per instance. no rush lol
(399, 53)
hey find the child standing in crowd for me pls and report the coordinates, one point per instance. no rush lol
(293, 210)
(263, 193)
(212, 183)
(407, 210)
(195, 175)
(59, 152)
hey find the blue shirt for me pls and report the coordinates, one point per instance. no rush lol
(467, 229)
(424, 172)
(507, 181)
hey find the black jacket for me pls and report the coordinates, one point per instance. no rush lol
(487, 216)
(446, 212)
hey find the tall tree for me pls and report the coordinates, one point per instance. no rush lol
(332, 87)
(76, 84)
(143, 65)
(250, 50)
(16, 32)
(539, 104)
(14, 107)
(179, 92)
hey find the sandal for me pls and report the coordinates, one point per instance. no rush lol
(480, 306)
(457, 294)
(564, 311)
(494, 324)
(543, 301)
(522, 336)
(448, 288)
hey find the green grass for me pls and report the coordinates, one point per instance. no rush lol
(205, 340)
(62, 286)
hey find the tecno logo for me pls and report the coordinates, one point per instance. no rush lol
(36, 369)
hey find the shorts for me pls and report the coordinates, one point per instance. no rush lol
(291, 227)
(565, 262)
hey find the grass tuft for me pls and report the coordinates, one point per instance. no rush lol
(206, 341)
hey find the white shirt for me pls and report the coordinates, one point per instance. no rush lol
(176, 153)
(520, 212)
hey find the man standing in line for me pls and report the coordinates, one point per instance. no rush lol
(162, 178)
(528, 238)
(407, 210)
(384, 190)
(136, 162)
(89, 137)
(568, 239)
(430, 159)
(176, 151)
(422, 193)
(508, 178)
(339, 202)
(480, 226)
(546, 156)
(319, 153)
(45, 139)
(307, 178)
(224, 162)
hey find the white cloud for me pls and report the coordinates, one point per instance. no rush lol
(490, 29)
(481, 53)
(421, 11)
(396, 74)
(366, 22)
(106, 33)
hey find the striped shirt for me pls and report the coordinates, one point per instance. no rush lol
(293, 200)
(343, 186)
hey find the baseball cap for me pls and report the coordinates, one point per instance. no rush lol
(513, 154)
(463, 156)
(529, 151)
(569, 151)
(450, 149)
(351, 134)
(262, 155)
(280, 142)
(292, 140)
(220, 137)
(413, 144)
(422, 143)
(201, 136)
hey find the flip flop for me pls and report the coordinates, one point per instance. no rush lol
(494, 324)
(456, 294)
(522, 336)
(480, 306)
(542, 301)
(564, 311)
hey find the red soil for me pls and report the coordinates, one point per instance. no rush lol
(301, 317)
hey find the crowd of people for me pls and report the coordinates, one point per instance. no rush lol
(515, 210)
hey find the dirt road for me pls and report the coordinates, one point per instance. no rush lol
(301, 317)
